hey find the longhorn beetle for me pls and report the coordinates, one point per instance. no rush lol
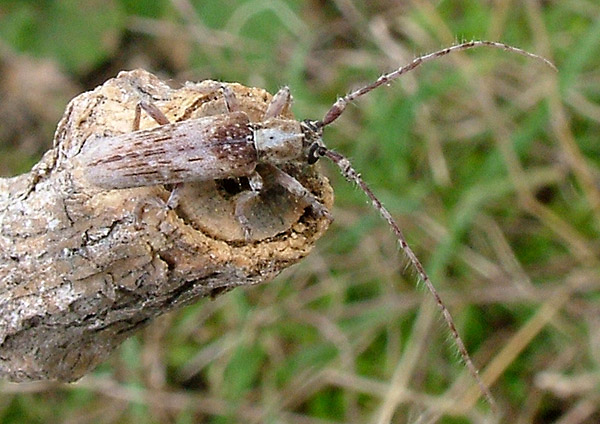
(229, 145)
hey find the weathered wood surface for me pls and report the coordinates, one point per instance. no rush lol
(82, 268)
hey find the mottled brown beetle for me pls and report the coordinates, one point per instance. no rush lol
(229, 145)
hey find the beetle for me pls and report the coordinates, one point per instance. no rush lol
(229, 145)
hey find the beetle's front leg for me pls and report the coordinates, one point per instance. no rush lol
(293, 186)
(279, 102)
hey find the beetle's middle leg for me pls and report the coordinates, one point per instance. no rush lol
(155, 113)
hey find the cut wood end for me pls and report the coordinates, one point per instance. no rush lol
(84, 268)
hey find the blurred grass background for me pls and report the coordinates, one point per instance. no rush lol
(489, 161)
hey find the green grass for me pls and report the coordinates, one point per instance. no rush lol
(489, 161)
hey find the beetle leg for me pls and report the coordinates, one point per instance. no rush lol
(293, 186)
(175, 195)
(243, 202)
(136, 118)
(231, 102)
(280, 100)
(152, 111)
(207, 88)
(155, 113)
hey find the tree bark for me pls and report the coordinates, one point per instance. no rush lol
(83, 268)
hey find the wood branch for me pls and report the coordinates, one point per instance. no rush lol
(82, 268)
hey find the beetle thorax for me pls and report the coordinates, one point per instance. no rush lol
(279, 141)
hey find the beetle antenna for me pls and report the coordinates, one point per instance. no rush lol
(351, 175)
(340, 105)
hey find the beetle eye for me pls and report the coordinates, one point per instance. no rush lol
(313, 155)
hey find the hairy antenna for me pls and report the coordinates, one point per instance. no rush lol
(340, 105)
(351, 175)
(318, 150)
